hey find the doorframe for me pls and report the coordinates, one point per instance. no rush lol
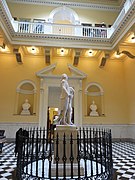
(47, 79)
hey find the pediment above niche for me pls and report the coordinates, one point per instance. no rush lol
(48, 72)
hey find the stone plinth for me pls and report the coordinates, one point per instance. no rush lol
(68, 130)
(68, 170)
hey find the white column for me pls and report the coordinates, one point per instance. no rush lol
(102, 104)
(41, 105)
(78, 103)
(34, 102)
(16, 103)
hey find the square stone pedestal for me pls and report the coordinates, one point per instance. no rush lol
(67, 130)
(68, 170)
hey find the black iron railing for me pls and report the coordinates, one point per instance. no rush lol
(89, 154)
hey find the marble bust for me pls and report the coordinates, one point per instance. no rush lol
(25, 108)
(93, 109)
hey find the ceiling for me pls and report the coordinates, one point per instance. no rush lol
(38, 50)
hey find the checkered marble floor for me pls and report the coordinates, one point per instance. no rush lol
(123, 160)
(7, 161)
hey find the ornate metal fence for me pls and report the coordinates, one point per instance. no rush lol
(39, 151)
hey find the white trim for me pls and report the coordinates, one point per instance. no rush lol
(94, 84)
(47, 72)
(85, 5)
(76, 71)
(46, 81)
(70, 11)
(119, 131)
(19, 90)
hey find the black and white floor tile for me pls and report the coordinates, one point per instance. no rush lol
(123, 160)
(7, 161)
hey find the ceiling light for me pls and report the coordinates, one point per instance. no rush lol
(4, 49)
(117, 54)
(33, 50)
(90, 52)
(62, 51)
(133, 39)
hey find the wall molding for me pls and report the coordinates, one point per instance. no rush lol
(86, 5)
(119, 131)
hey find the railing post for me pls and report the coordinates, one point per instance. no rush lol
(78, 154)
(57, 155)
(71, 154)
(85, 155)
(50, 155)
(64, 156)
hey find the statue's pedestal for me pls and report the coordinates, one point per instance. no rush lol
(67, 130)
(68, 152)
(25, 112)
(94, 113)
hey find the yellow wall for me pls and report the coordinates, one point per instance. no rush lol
(112, 82)
(43, 12)
(129, 66)
(111, 78)
(96, 16)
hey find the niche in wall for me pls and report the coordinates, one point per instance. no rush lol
(94, 92)
(25, 90)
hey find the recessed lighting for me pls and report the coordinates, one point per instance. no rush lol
(133, 39)
(90, 52)
(33, 50)
(62, 51)
(118, 54)
(4, 49)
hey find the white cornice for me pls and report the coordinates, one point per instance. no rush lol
(86, 4)
(47, 72)
(65, 41)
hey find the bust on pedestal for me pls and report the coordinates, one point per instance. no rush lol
(25, 108)
(93, 108)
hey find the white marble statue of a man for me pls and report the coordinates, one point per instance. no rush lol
(25, 108)
(70, 110)
(66, 97)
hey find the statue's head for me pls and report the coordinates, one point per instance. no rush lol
(64, 76)
(26, 100)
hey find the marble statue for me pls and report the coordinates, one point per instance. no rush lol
(93, 108)
(70, 110)
(25, 108)
(66, 97)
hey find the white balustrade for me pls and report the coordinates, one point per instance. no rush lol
(67, 29)
(61, 29)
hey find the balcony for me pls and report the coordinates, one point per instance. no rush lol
(61, 29)
(51, 34)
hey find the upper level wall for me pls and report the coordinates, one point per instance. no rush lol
(42, 12)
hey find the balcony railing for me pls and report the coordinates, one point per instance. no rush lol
(61, 29)
(48, 28)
